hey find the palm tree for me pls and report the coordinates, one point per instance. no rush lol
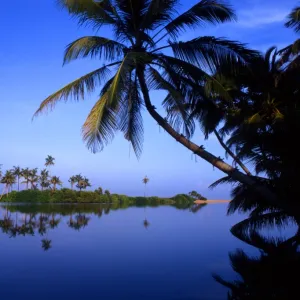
(26, 175)
(49, 161)
(99, 191)
(143, 33)
(33, 178)
(44, 179)
(73, 180)
(145, 181)
(261, 123)
(83, 183)
(55, 181)
(8, 180)
(17, 171)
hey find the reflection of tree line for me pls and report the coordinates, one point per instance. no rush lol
(40, 224)
(41, 219)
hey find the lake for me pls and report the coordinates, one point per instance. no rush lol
(104, 252)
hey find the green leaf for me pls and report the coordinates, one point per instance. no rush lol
(100, 125)
(206, 11)
(93, 46)
(76, 89)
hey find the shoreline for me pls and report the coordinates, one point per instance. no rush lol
(211, 201)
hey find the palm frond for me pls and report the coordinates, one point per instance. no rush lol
(158, 13)
(270, 220)
(294, 19)
(130, 117)
(224, 180)
(208, 53)
(90, 12)
(100, 125)
(174, 103)
(94, 46)
(204, 12)
(76, 89)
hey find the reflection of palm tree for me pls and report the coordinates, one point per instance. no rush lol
(54, 222)
(272, 275)
(80, 221)
(146, 223)
(6, 224)
(46, 244)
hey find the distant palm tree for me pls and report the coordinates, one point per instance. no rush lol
(107, 192)
(83, 183)
(33, 178)
(17, 171)
(44, 179)
(8, 180)
(99, 191)
(49, 162)
(55, 181)
(145, 181)
(73, 180)
(26, 175)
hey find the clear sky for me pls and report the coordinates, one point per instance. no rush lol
(34, 34)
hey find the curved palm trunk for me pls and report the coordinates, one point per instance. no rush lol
(235, 158)
(207, 156)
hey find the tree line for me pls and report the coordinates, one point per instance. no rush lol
(33, 179)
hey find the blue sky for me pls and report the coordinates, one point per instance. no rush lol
(34, 36)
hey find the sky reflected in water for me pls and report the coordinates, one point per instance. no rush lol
(105, 253)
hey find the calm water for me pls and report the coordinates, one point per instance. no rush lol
(94, 252)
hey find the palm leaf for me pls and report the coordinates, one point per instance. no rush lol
(100, 125)
(93, 46)
(90, 12)
(208, 53)
(294, 19)
(158, 12)
(206, 11)
(130, 117)
(174, 103)
(76, 89)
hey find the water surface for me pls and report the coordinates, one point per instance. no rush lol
(96, 252)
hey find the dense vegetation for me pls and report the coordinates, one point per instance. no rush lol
(71, 196)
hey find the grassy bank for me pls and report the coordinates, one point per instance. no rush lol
(71, 196)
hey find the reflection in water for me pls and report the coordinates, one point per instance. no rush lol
(273, 274)
(146, 223)
(22, 220)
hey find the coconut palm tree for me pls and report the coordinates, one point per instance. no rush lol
(50, 161)
(261, 122)
(145, 31)
(8, 180)
(26, 175)
(17, 171)
(83, 183)
(73, 180)
(34, 178)
(145, 182)
(44, 179)
(55, 181)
